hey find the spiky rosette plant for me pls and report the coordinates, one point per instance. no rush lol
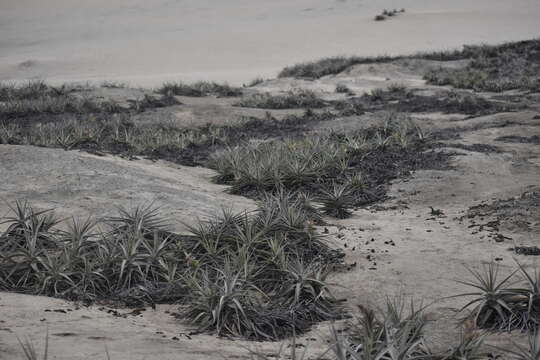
(337, 200)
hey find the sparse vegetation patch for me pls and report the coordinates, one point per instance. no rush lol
(198, 89)
(501, 303)
(255, 82)
(400, 99)
(492, 68)
(258, 275)
(344, 89)
(37, 100)
(339, 171)
(396, 331)
(534, 139)
(388, 14)
(336, 64)
(513, 214)
(120, 135)
(293, 99)
(495, 68)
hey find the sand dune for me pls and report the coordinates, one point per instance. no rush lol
(146, 43)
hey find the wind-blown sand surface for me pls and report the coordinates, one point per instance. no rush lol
(148, 42)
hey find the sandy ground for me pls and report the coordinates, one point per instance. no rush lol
(146, 43)
(409, 250)
(397, 246)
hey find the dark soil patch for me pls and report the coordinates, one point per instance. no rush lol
(519, 214)
(454, 133)
(446, 134)
(292, 126)
(378, 167)
(154, 102)
(192, 154)
(253, 129)
(481, 148)
(200, 88)
(383, 165)
(526, 250)
(407, 101)
(31, 119)
(517, 98)
(535, 139)
(294, 99)
(30, 113)
(65, 334)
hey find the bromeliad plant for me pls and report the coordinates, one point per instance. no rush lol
(493, 298)
(260, 275)
(337, 201)
(293, 99)
(264, 257)
(529, 352)
(85, 261)
(504, 303)
(337, 171)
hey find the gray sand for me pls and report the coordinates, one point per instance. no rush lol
(148, 42)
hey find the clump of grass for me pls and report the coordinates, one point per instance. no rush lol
(392, 333)
(398, 98)
(494, 68)
(377, 94)
(397, 88)
(119, 134)
(260, 275)
(113, 85)
(493, 301)
(52, 105)
(328, 66)
(337, 201)
(153, 102)
(255, 82)
(338, 171)
(37, 101)
(388, 13)
(291, 100)
(396, 331)
(39, 98)
(529, 352)
(344, 89)
(496, 63)
(30, 90)
(500, 303)
(82, 263)
(29, 350)
(252, 277)
(349, 108)
(198, 89)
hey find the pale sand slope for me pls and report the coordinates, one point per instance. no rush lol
(148, 42)
(77, 184)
